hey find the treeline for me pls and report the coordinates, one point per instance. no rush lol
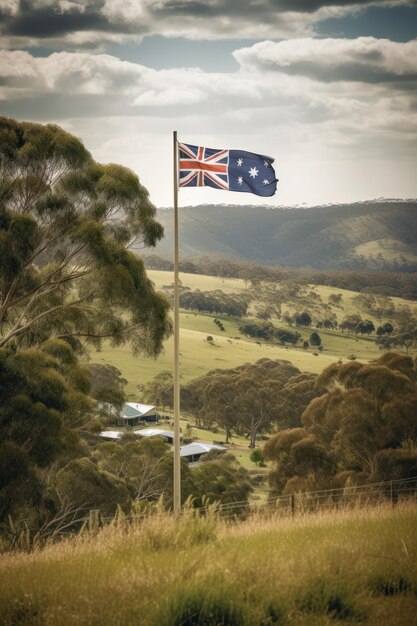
(399, 284)
(268, 332)
(215, 302)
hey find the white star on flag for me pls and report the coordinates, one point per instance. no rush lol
(240, 180)
(253, 172)
(266, 182)
(266, 163)
(239, 162)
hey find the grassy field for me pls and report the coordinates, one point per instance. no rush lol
(198, 356)
(230, 348)
(345, 567)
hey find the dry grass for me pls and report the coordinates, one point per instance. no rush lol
(353, 566)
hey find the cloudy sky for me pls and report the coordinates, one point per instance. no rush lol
(326, 87)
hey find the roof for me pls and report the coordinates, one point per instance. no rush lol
(154, 432)
(111, 434)
(135, 409)
(198, 448)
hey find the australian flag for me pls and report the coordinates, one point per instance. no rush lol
(233, 170)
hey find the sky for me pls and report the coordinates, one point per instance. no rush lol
(325, 87)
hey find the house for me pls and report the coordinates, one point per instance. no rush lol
(167, 435)
(134, 412)
(194, 451)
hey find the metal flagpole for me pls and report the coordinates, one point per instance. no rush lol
(177, 464)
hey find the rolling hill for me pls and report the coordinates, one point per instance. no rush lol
(375, 235)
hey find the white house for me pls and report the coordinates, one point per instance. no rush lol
(134, 412)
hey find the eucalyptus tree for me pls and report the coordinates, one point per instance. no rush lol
(67, 225)
(68, 279)
(362, 427)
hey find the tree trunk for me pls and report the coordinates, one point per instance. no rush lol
(228, 434)
(253, 431)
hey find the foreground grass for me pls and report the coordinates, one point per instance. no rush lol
(353, 567)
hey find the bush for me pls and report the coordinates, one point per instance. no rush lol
(213, 605)
(328, 598)
(256, 456)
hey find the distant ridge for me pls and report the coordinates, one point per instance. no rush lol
(376, 234)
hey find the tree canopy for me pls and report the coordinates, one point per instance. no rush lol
(66, 226)
(251, 398)
(363, 427)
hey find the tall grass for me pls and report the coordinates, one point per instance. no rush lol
(355, 566)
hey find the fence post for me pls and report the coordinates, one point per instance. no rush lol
(292, 501)
(391, 493)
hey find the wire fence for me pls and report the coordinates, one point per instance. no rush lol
(313, 501)
(74, 521)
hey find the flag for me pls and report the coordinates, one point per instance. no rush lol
(232, 170)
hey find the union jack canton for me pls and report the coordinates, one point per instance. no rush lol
(232, 170)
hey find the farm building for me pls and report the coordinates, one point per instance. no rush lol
(111, 435)
(167, 435)
(134, 412)
(194, 451)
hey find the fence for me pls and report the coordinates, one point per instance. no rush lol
(313, 501)
(290, 505)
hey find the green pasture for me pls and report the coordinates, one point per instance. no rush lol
(229, 348)
(336, 567)
(197, 281)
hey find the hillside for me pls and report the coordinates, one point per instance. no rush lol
(378, 235)
(230, 348)
(351, 567)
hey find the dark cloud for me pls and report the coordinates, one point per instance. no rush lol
(194, 18)
(309, 6)
(45, 22)
(239, 8)
(351, 72)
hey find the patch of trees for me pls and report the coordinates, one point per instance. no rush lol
(268, 332)
(302, 319)
(405, 340)
(354, 323)
(385, 329)
(363, 428)
(215, 302)
(219, 324)
(327, 323)
(250, 399)
(399, 284)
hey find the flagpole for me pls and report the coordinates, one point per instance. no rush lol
(177, 463)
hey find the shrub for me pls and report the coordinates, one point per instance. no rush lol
(202, 606)
(328, 598)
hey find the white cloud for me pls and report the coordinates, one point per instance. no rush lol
(125, 111)
(362, 59)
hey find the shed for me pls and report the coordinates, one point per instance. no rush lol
(194, 451)
(167, 435)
